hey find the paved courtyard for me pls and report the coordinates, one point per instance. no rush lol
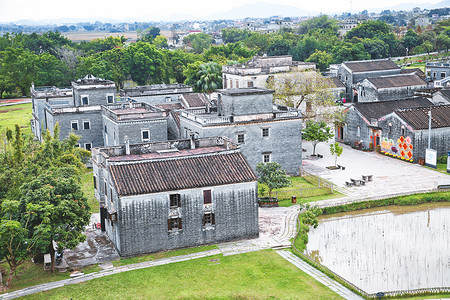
(390, 176)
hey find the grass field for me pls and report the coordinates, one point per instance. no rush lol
(309, 192)
(15, 114)
(254, 275)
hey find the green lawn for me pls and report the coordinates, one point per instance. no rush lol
(159, 255)
(15, 114)
(87, 185)
(309, 193)
(254, 275)
(442, 168)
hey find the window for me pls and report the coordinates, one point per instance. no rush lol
(106, 129)
(442, 75)
(95, 182)
(266, 157)
(175, 200)
(86, 125)
(110, 99)
(240, 138)
(174, 223)
(88, 146)
(403, 131)
(250, 84)
(207, 197)
(390, 128)
(74, 125)
(145, 135)
(84, 100)
(168, 99)
(237, 84)
(434, 74)
(358, 131)
(209, 219)
(265, 132)
(106, 189)
(231, 83)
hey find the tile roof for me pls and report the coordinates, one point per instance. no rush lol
(413, 70)
(335, 82)
(446, 94)
(176, 117)
(170, 106)
(375, 110)
(196, 99)
(181, 173)
(371, 65)
(402, 80)
(418, 117)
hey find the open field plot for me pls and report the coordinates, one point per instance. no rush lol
(15, 114)
(255, 275)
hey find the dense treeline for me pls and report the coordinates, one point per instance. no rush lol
(52, 59)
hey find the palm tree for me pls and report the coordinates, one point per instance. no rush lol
(209, 78)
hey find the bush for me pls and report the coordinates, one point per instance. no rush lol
(442, 159)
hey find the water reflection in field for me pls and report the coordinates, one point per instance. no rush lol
(393, 248)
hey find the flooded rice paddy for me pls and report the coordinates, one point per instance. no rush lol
(386, 249)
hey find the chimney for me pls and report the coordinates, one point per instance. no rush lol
(127, 145)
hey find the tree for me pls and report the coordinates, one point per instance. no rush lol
(294, 88)
(19, 239)
(198, 42)
(272, 175)
(410, 40)
(321, 58)
(40, 195)
(144, 63)
(207, 79)
(316, 132)
(336, 150)
(69, 212)
(161, 42)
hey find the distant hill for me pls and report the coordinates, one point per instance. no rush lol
(261, 10)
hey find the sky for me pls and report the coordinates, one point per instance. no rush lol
(13, 10)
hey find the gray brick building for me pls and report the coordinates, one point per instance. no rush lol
(352, 72)
(393, 87)
(368, 123)
(266, 132)
(168, 195)
(137, 122)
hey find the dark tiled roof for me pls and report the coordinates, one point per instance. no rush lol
(335, 82)
(378, 109)
(446, 94)
(397, 81)
(196, 99)
(413, 70)
(183, 173)
(371, 65)
(170, 106)
(176, 117)
(418, 117)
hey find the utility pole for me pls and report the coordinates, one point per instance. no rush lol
(429, 129)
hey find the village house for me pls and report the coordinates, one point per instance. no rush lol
(167, 195)
(266, 132)
(407, 131)
(259, 69)
(436, 71)
(352, 72)
(135, 122)
(78, 111)
(157, 93)
(364, 123)
(392, 87)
